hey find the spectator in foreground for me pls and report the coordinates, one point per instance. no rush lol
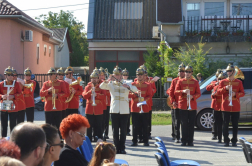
(8, 161)
(10, 149)
(200, 78)
(73, 130)
(32, 142)
(55, 144)
(103, 151)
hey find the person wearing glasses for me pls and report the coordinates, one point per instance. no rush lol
(73, 130)
(20, 101)
(55, 144)
(60, 76)
(14, 93)
(174, 101)
(76, 89)
(230, 112)
(53, 91)
(187, 86)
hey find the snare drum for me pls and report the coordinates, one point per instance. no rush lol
(7, 105)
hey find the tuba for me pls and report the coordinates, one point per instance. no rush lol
(238, 73)
(76, 82)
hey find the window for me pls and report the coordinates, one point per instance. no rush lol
(241, 9)
(50, 50)
(128, 55)
(193, 13)
(106, 55)
(128, 10)
(45, 48)
(37, 53)
(214, 8)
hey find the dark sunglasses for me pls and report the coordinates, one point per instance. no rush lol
(182, 71)
(229, 70)
(61, 144)
(28, 75)
(60, 74)
(14, 75)
(188, 72)
(9, 74)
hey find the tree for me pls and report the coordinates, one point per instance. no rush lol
(79, 56)
(151, 59)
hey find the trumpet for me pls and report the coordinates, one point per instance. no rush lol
(141, 99)
(76, 82)
(30, 86)
(230, 95)
(93, 96)
(189, 101)
(53, 97)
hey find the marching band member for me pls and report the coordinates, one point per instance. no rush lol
(229, 111)
(13, 88)
(188, 91)
(29, 95)
(60, 76)
(119, 107)
(94, 106)
(53, 91)
(76, 89)
(174, 101)
(216, 106)
(20, 101)
(125, 75)
(138, 117)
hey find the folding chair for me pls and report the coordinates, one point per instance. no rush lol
(158, 139)
(245, 150)
(160, 159)
(85, 151)
(89, 145)
(248, 145)
(159, 144)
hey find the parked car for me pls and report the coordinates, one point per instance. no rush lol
(204, 117)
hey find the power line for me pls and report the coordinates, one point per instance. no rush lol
(56, 7)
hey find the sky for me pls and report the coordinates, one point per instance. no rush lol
(79, 11)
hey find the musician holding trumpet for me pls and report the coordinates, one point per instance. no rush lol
(188, 91)
(231, 90)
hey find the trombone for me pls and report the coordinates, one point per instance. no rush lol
(93, 96)
(189, 101)
(53, 97)
(230, 95)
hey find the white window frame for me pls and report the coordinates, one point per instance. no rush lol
(237, 1)
(37, 53)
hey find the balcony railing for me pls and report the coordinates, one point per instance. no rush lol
(218, 26)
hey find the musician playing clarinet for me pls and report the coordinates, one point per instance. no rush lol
(9, 92)
(231, 90)
(119, 107)
(188, 91)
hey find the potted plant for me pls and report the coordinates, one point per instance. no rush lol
(222, 33)
(191, 33)
(238, 33)
(206, 33)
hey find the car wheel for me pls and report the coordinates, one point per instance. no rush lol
(205, 119)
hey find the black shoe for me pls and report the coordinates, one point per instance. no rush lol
(150, 137)
(234, 144)
(219, 141)
(128, 134)
(173, 138)
(177, 141)
(183, 144)
(146, 144)
(190, 144)
(140, 141)
(123, 152)
(134, 144)
(107, 137)
(226, 144)
(214, 138)
(118, 152)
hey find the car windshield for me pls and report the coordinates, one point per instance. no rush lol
(207, 81)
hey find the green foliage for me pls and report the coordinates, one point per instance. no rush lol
(78, 38)
(151, 59)
(166, 55)
(246, 62)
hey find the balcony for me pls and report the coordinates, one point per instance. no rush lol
(217, 29)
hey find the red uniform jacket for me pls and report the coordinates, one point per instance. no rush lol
(63, 99)
(216, 99)
(99, 99)
(16, 92)
(211, 86)
(28, 94)
(171, 91)
(154, 89)
(239, 92)
(191, 84)
(20, 101)
(74, 103)
(60, 90)
(146, 92)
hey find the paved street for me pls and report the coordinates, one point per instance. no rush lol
(205, 151)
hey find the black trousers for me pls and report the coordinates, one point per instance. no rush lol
(149, 124)
(217, 125)
(119, 122)
(234, 119)
(128, 124)
(20, 116)
(71, 111)
(187, 119)
(105, 128)
(53, 118)
(137, 120)
(63, 114)
(30, 114)
(176, 123)
(95, 122)
(173, 122)
(4, 121)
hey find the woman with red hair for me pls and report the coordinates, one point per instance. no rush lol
(73, 130)
(10, 149)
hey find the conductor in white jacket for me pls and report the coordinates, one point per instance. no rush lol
(119, 107)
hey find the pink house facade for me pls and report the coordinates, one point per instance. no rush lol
(24, 42)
